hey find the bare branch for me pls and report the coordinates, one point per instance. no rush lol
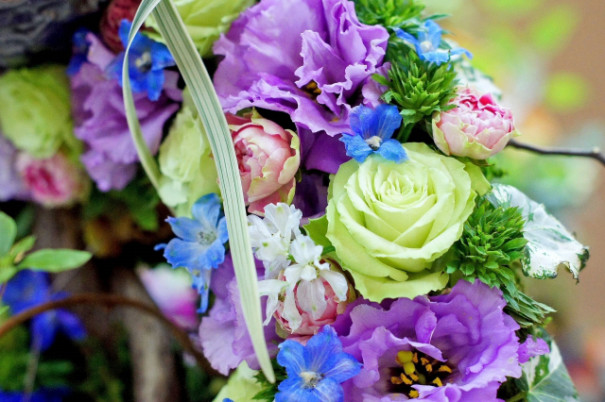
(595, 153)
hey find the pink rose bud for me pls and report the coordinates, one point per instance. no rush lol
(53, 181)
(268, 158)
(476, 128)
(312, 321)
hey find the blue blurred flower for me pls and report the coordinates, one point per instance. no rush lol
(200, 245)
(146, 62)
(428, 42)
(31, 288)
(79, 56)
(41, 395)
(315, 371)
(373, 129)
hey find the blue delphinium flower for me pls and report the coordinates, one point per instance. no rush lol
(200, 245)
(28, 289)
(146, 61)
(79, 56)
(373, 129)
(315, 371)
(428, 42)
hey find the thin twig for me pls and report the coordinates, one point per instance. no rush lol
(595, 153)
(109, 300)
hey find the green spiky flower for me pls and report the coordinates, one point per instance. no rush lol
(388, 13)
(419, 89)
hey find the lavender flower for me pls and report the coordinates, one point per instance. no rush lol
(455, 347)
(11, 183)
(100, 119)
(313, 67)
(223, 334)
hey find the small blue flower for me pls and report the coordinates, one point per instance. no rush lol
(28, 289)
(315, 371)
(146, 60)
(428, 42)
(79, 56)
(201, 243)
(373, 130)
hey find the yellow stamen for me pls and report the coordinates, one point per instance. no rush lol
(415, 358)
(437, 382)
(396, 380)
(429, 368)
(424, 361)
(414, 377)
(414, 394)
(405, 380)
(445, 369)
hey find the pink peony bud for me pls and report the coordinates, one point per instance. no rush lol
(477, 128)
(268, 158)
(53, 181)
(311, 323)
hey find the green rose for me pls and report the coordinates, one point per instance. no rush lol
(241, 386)
(206, 20)
(388, 222)
(36, 111)
(186, 162)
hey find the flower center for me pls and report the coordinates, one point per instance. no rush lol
(310, 378)
(312, 89)
(426, 46)
(143, 62)
(374, 142)
(414, 367)
(206, 238)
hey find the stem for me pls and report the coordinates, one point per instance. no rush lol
(32, 369)
(595, 153)
(109, 300)
(517, 397)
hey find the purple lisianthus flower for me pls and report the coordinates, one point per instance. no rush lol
(12, 186)
(455, 347)
(100, 118)
(223, 334)
(28, 289)
(308, 58)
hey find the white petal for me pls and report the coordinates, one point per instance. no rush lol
(292, 274)
(338, 282)
(308, 273)
(290, 313)
(304, 250)
(311, 297)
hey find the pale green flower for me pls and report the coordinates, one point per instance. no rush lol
(35, 111)
(186, 162)
(206, 20)
(388, 222)
(242, 386)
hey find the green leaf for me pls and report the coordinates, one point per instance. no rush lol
(317, 229)
(55, 260)
(207, 104)
(545, 378)
(549, 245)
(8, 231)
(6, 273)
(22, 246)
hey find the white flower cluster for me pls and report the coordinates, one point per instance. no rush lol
(292, 262)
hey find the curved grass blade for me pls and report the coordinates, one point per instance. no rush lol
(206, 101)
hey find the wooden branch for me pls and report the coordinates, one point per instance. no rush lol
(595, 153)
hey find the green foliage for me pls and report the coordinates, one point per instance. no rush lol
(491, 244)
(388, 13)
(54, 260)
(8, 231)
(139, 200)
(419, 89)
(13, 258)
(544, 379)
(269, 390)
(492, 248)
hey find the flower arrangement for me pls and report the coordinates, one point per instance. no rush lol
(388, 262)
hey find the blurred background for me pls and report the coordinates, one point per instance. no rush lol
(547, 56)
